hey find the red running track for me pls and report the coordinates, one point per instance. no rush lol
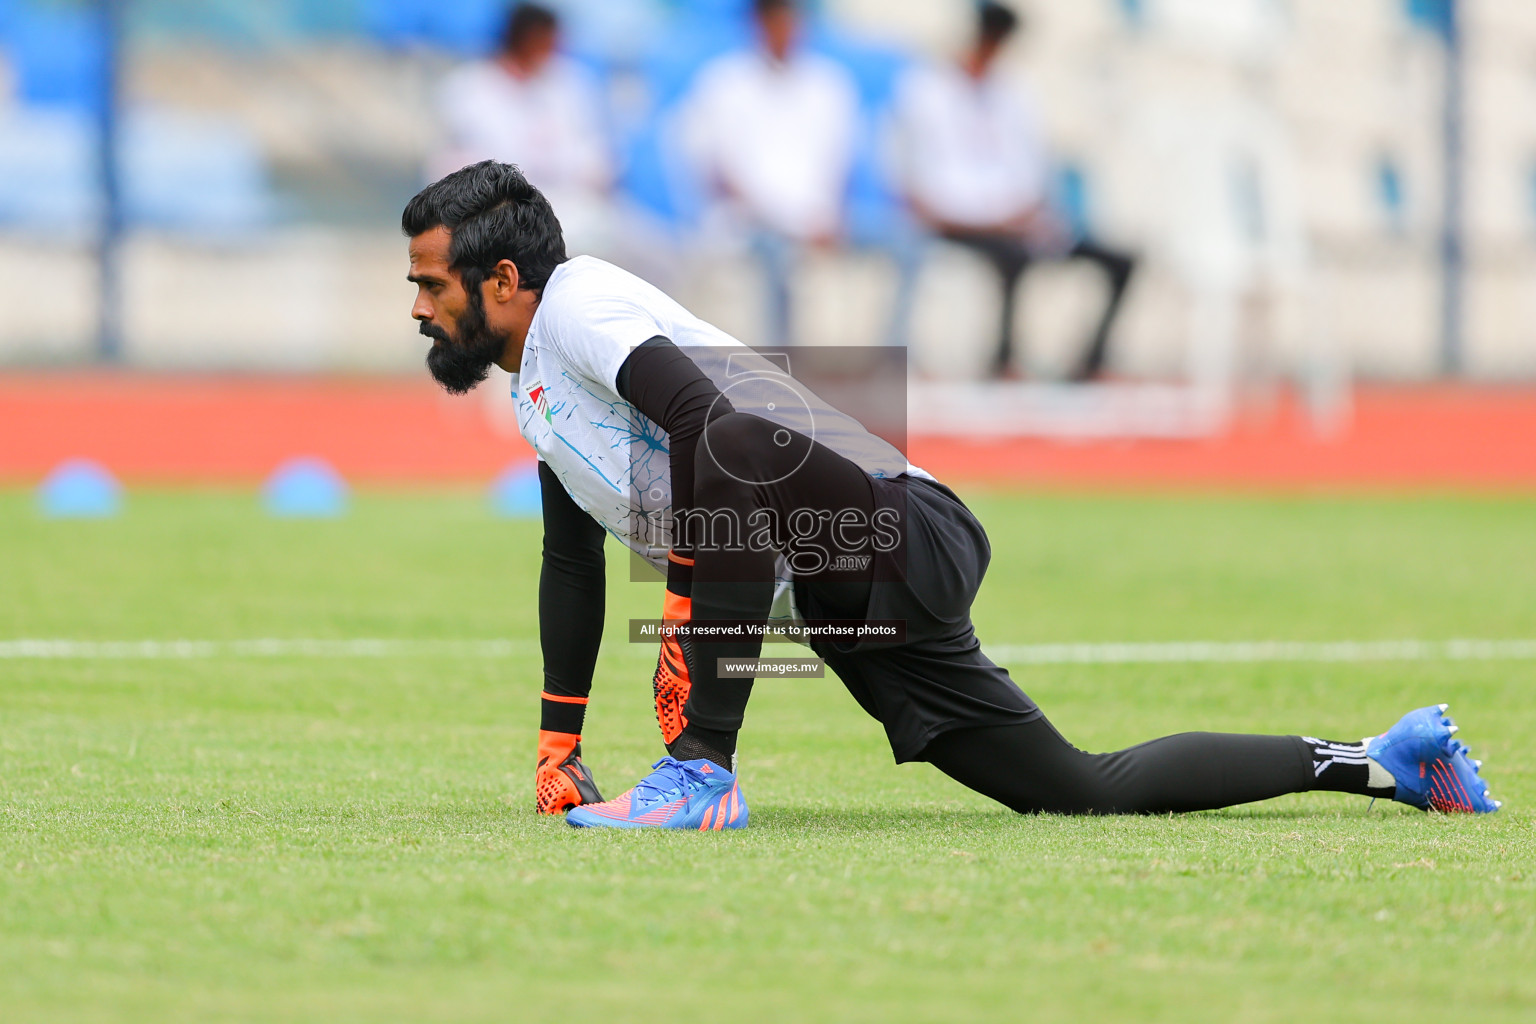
(179, 429)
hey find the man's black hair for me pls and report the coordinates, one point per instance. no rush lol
(995, 22)
(492, 213)
(762, 7)
(524, 21)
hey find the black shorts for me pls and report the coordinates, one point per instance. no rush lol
(938, 679)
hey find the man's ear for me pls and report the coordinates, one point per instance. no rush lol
(504, 281)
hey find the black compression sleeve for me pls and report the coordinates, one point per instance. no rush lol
(572, 583)
(669, 389)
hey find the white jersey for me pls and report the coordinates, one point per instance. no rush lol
(778, 136)
(971, 152)
(612, 460)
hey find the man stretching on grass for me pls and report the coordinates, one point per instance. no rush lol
(760, 502)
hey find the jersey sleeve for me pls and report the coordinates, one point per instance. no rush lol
(667, 387)
(594, 332)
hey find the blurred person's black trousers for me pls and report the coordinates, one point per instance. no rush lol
(1011, 256)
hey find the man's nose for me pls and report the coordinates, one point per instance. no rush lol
(422, 310)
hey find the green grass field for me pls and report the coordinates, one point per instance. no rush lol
(350, 838)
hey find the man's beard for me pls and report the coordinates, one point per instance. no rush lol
(460, 363)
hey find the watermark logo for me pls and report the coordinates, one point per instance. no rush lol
(807, 632)
(762, 383)
(773, 466)
(770, 668)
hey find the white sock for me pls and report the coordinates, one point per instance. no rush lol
(1380, 778)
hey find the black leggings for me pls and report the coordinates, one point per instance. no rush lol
(1031, 768)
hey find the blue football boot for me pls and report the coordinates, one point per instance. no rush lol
(1431, 767)
(677, 794)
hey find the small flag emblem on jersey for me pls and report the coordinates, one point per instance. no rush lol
(540, 399)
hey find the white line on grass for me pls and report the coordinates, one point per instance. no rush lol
(268, 648)
(1021, 654)
(1264, 650)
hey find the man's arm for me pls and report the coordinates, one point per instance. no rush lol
(668, 388)
(572, 585)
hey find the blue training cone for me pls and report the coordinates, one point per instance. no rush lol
(305, 488)
(80, 489)
(516, 492)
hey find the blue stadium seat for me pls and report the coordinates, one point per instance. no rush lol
(874, 68)
(1134, 13)
(876, 216)
(644, 177)
(194, 173)
(57, 54)
(683, 49)
(244, 23)
(189, 173)
(1070, 197)
(48, 171)
(395, 23)
(716, 10)
(1391, 194)
(651, 175)
(1435, 16)
(325, 17)
(467, 27)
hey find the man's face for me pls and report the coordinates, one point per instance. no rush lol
(534, 52)
(987, 51)
(779, 26)
(464, 347)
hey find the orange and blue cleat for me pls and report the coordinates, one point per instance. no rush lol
(677, 794)
(1432, 769)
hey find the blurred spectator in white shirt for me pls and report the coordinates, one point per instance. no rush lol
(532, 106)
(972, 159)
(771, 133)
